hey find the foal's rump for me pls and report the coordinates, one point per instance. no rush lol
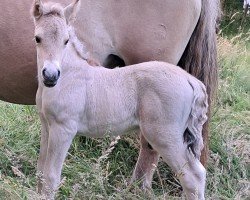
(176, 99)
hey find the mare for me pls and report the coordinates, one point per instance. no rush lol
(117, 33)
(76, 98)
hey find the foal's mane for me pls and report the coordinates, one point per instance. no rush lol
(80, 48)
(51, 8)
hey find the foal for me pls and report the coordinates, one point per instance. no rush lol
(167, 104)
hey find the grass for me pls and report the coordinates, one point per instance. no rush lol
(228, 176)
(234, 22)
(92, 172)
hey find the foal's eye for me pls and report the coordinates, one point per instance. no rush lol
(66, 42)
(38, 40)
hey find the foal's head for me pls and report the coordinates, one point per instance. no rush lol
(52, 23)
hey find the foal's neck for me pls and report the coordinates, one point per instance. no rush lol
(79, 47)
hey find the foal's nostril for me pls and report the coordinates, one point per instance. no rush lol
(58, 73)
(43, 72)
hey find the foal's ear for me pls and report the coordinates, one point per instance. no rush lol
(71, 10)
(37, 9)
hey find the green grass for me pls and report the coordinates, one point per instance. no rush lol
(234, 22)
(228, 176)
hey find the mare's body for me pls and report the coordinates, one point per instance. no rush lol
(136, 31)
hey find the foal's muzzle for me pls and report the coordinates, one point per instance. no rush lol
(50, 77)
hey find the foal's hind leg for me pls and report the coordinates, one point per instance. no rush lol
(189, 171)
(146, 164)
(174, 152)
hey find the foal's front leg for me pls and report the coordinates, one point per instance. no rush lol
(42, 153)
(60, 139)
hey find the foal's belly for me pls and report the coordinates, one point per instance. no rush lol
(114, 129)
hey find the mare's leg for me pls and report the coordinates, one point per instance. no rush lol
(169, 143)
(146, 164)
(60, 139)
(42, 153)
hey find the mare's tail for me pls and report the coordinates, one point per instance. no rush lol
(200, 55)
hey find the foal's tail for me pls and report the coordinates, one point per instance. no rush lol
(198, 116)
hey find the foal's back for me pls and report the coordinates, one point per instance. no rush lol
(134, 82)
(122, 93)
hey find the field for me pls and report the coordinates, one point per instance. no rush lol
(93, 170)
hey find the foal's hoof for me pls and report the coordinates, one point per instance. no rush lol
(142, 184)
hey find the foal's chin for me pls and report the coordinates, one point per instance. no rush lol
(49, 84)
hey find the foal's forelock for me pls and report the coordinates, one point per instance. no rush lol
(51, 9)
